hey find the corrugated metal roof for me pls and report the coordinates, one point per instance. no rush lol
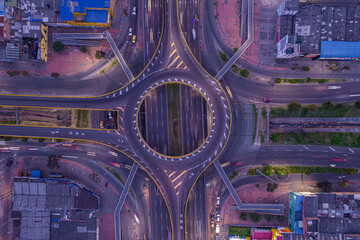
(338, 49)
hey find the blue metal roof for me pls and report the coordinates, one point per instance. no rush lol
(94, 15)
(67, 7)
(336, 49)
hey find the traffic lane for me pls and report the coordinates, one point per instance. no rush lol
(309, 155)
(159, 215)
(303, 93)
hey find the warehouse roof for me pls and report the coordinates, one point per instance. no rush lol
(340, 50)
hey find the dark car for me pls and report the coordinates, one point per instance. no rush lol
(9, 162)
(267, 99)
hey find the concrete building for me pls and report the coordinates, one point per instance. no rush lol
(325, 215)
(53, 209)
(302, 30)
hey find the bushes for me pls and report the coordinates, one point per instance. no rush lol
(58, 140)
(344, 184)
(311, 107)
(267, 170)
(233, 175)
(25, 74)
(58, 47)
(255, 217)
(281, 218)
(251, 172)
(351, 171)
(328, 105)
(41, 140)
(223, 56)
(99, 54)
(357, 104)
(55, 75)
(282, 172)
(278, 80)
(24, 139)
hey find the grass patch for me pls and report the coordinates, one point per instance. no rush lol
(223, 56)
(239, 231)
(173, 98)
(82, 118)
(112, 64)
(282, 171)
(256, 114)
(233, 175)
(323, 111)
(118, 176)
(321, 138)
(307, 80)
(8, 121)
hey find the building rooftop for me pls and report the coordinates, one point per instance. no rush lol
(52, 209)
(310, 206)
(100, 14)
(335, 49)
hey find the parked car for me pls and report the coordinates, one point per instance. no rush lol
(101, 124)
(212, 223)
(218, 217)
(130, 31)
(10, 162)
(332, 165)
(134, 11)
(212, 215)
(134, 39)
(217, 201)
(267, 99)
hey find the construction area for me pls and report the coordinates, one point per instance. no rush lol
(57, 117)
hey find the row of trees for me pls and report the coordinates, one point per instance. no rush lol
(58, 47)
(257, 217)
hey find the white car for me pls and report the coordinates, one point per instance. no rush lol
(130, 31)
(218, 201)
(334, 87)
(332, 165)
(218, 217)
(134, 11)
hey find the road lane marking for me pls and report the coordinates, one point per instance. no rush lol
(33, 149)
(64, 156)
(174, 61)
(332, 149)
(179, 176)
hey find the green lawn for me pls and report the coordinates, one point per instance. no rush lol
(239, 231)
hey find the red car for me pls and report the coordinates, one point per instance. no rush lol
(9, 162)
(267, 99)
(337, 160)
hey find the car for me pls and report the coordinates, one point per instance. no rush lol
(110, 116)
(267, 99)
(217, 201)
(212, 223)
(101, 124)
(334, 87)
(130, 31)
(113, 153)
(211, 215)
(218, 217)
(10, 162)
(134, 11)
(115, 164)
(332, 165)
(134, 39)
(337, 159)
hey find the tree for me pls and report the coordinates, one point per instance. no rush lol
(25, 73)
(58, 47)
(235, 49)
(58, 140)
(269, 218)
(55, 75)
(243, 216)
(344, 184)
(267, 171)
(357, 104)
(53, 161)
(328, 105)
(255, 217)
(311, 107)
(325, 186)
(351, 171)
(308, 79)
(278, 80)
(281, 218)
(41, 140)
(83, 49)
(244, 72)
(251, 172)
(24, 139)
(294, 107)
(345, 67)
(99, 54)
(340, 105)
(12, 73)
(306, 68)
(271, 187)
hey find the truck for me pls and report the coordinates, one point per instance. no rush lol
(217, 228)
